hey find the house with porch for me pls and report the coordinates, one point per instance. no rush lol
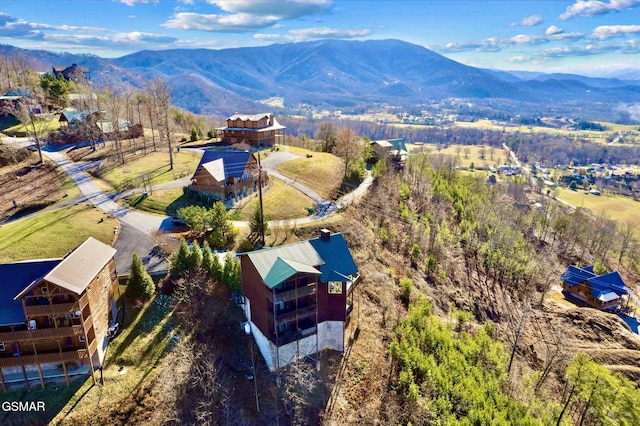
(606, 292)
(228, 175)
(57, 315)
(394, 150)
(256, 130)
(298, 298)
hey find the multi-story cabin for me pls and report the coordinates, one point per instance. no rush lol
(606, 292)
(56, 315)
(227, 175)
(299, 297)
(255, 130)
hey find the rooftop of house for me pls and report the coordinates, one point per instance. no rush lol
(76, 116)
(392, 144)
(274, 125)
(16, 94)
(327, 256)
(605, 287)
(14, 277)
(225, 164)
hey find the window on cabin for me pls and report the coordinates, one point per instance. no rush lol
(335, 287)
(2, 347)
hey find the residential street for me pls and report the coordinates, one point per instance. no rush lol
(138, 228)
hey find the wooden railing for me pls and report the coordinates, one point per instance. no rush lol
(287, 295)
(44, 333)
(300, 313)
(43, 358)
(54, 309)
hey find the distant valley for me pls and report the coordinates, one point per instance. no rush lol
(351, 76)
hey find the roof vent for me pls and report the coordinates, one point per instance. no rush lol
(325, 234)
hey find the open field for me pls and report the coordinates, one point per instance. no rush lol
(280, 201)
(617, 207)
(156, 164)
(55, 233)
(33, 186)
(322, 172)
(467, 154)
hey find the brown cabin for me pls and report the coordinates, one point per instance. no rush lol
(57, 315)
(299, 297)
(257, 130)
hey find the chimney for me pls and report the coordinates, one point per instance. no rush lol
(325, 234)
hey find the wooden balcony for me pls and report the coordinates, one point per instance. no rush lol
(300, 313)
(301, 291)
(46, 310)
(45, 333)
(44, 358)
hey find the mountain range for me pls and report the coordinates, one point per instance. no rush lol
(336, 74)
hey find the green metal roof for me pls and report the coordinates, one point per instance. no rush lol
(329, 258)
(284, 269)
(301, 253)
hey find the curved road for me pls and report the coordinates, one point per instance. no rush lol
(137, 228)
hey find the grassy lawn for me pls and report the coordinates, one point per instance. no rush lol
(280, 202)
(42, 125)
(468, 154)
(55, 233)
(156, 163)
(164, 201)
(322, 172)
(617, 207)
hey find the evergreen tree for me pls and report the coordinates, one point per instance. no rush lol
(257, 223)
(195, 257)
(140, 283)
(207, 258)
(216, 268)
(180, 261)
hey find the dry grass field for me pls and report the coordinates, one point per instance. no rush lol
(33, 186)
(321, 172)
(617, 207)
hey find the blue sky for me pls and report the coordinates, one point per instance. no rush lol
(591, 37)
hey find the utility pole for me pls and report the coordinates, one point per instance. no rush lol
(260, 195)
(515, 343)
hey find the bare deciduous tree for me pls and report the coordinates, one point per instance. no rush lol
(160, 92)
(347, 147)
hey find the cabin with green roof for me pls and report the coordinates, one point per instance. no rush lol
(299, 297)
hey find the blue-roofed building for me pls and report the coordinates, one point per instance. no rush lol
(299, 297)
(606, 292)
(227, 175)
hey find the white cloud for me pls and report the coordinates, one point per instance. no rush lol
(323, 32)
(312, 34)
(285, 9)
(240, 22)
(139, 37)
(531, 21)
(607, 31)
(247, 15)
(496, 44)
(134, 2)
(597, 7)
(553, 30)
